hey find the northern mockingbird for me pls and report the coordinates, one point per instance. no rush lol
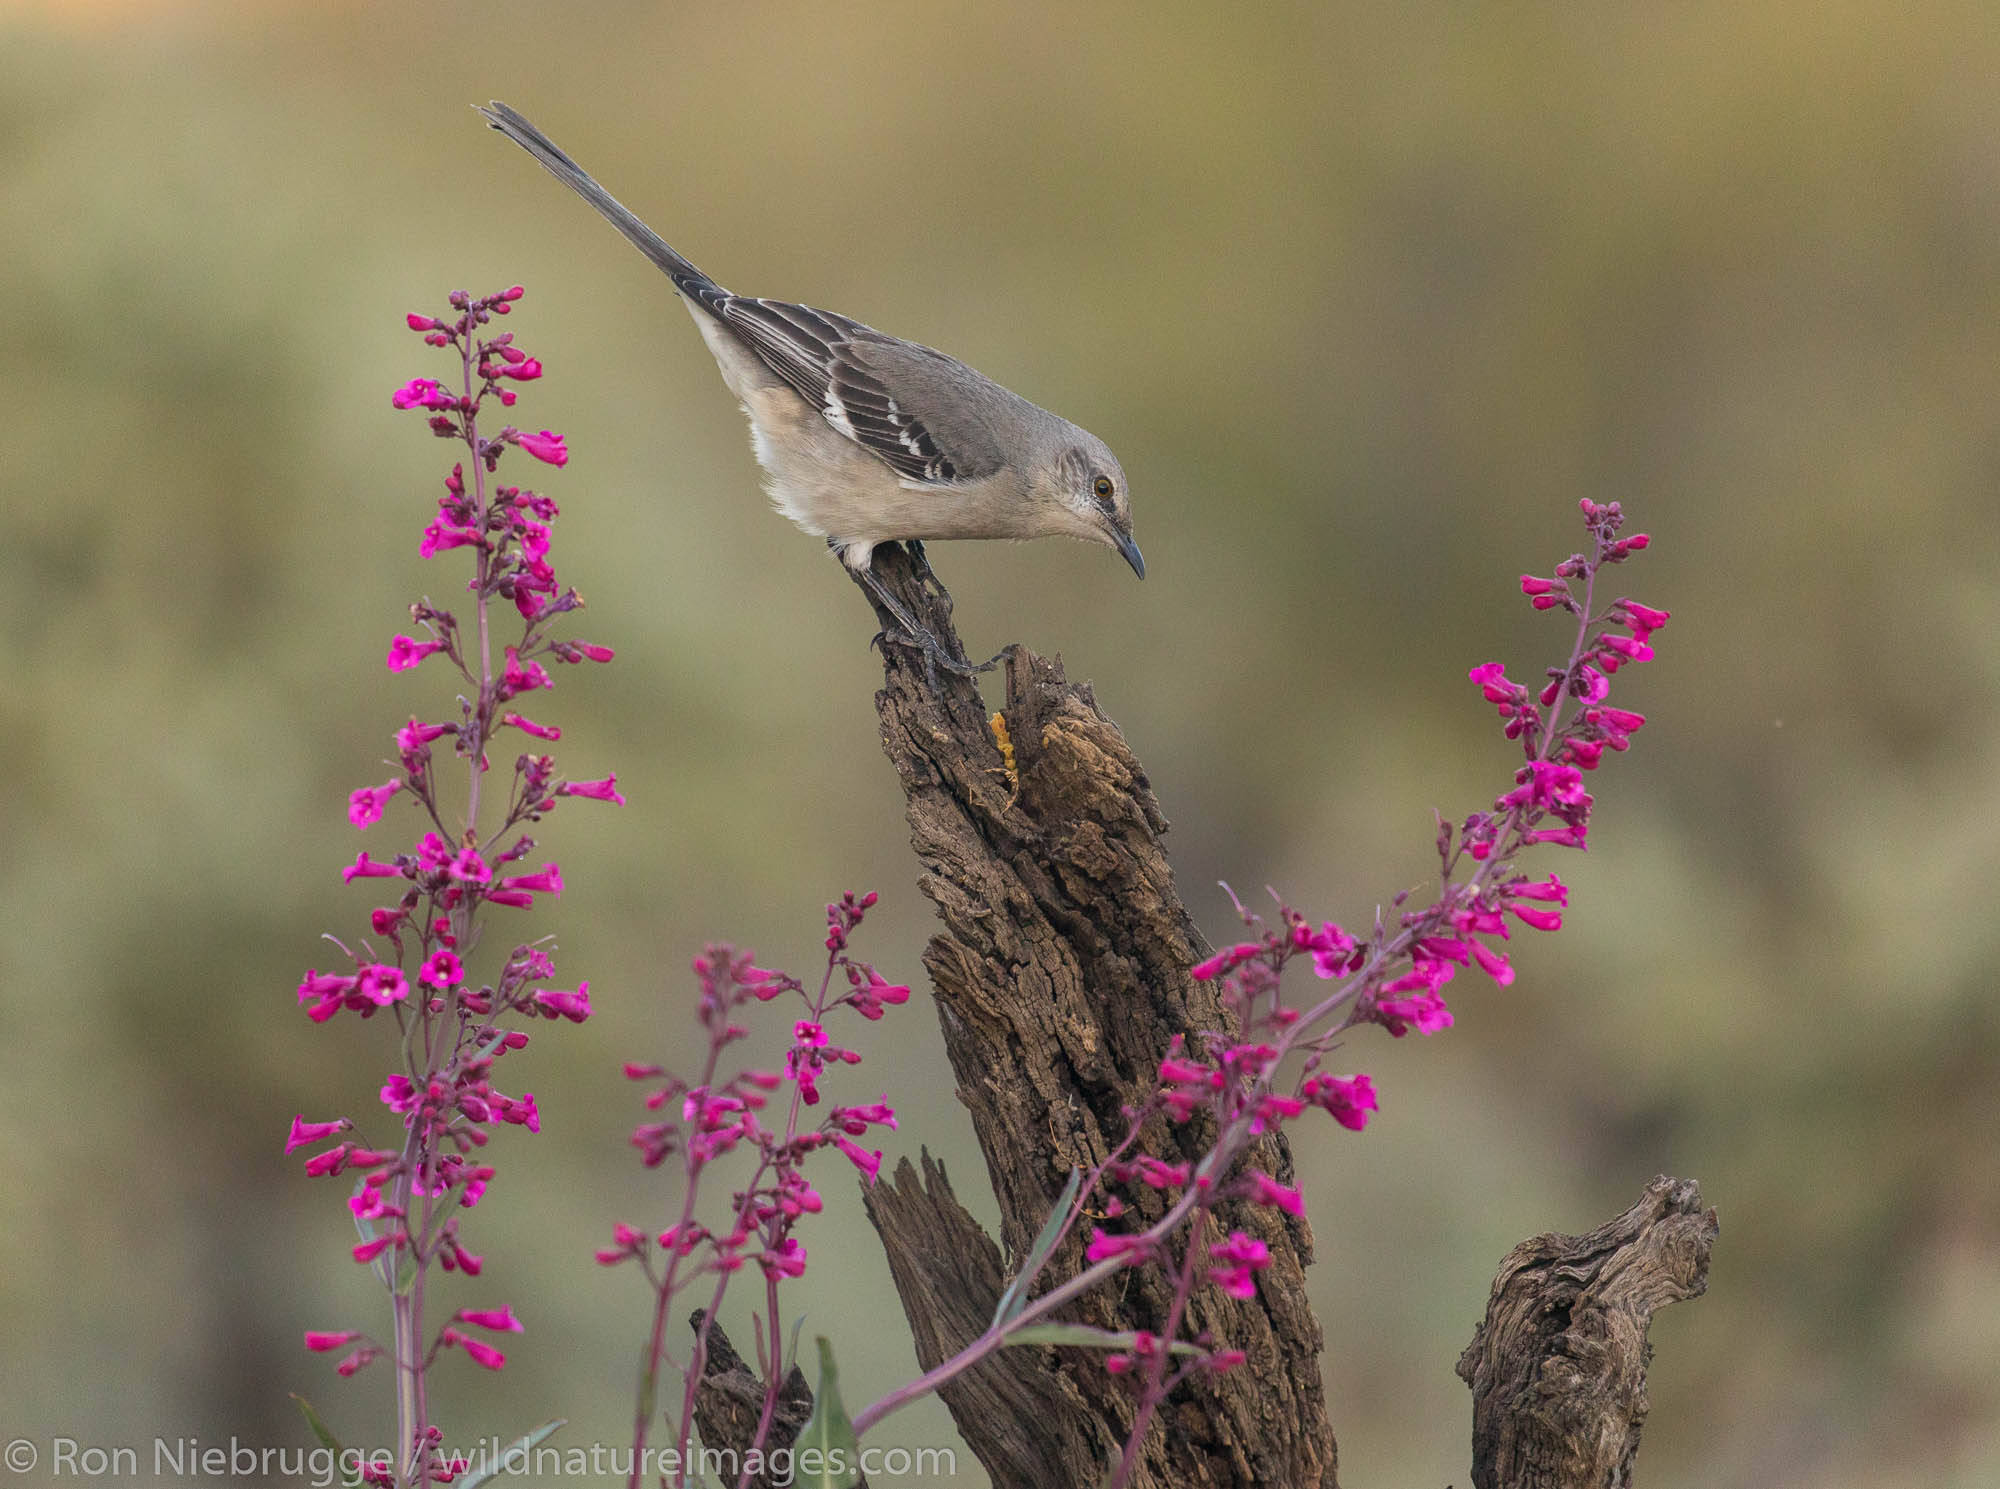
(867, 439)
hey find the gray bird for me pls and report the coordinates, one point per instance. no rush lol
(865, 438)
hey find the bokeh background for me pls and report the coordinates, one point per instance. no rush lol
(1366, 297)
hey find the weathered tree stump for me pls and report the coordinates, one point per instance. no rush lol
(1061, 977)
(730, 1402)
(1558, 1367)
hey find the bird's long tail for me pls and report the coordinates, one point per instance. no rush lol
(686, 277)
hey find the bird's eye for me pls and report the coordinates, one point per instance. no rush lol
(1102, 487)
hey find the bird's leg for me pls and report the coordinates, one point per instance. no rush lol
(917, 634)
(926, 575)
(914, 633)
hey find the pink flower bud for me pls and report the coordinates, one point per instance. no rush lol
(492, 1318)
(479, 1350)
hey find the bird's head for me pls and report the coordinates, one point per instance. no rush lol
(1084, 495)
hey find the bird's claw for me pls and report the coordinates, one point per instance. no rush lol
(935, 656)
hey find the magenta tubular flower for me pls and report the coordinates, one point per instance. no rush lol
(1233, 1261)
(421, 392)
(574, 1006)
(1348, 1100)
(1426, 1013)
(529, 726)
(469, 867)
(364, 807)
(442, 970)
(1541, 920)
(405, 652)
(1159, 1174)
(304, 1132)
(478, 1350)
(855, 1120)
(1130, 1249)
(604, 790)
(365, 867)
(547, 880)
(383, 985)
(786, 1259)
(441, 537)
(1261, 1189)
(522, 676)
(545, 447)
(1492, 963)
(501, 1319)
(442, 1095)
(869, 1163)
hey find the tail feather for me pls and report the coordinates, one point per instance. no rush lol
(685, 275)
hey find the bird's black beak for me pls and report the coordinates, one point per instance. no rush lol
(1125, 545)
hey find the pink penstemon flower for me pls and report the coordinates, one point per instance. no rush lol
(1396, 976)
(711, 1117)
(455, 1028)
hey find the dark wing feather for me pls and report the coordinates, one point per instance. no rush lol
(815, 353)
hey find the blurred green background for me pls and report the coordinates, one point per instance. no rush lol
(1365, 297)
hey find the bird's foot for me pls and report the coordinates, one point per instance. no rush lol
(915, 634)
(935, 655)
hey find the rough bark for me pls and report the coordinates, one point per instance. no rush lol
(1032, 1425)
(730, 1402)
(1558, 1367)
(1061, 976)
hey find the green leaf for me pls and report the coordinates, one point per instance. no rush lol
(381, 1266)
(325, 1435)
(320, 1430)
(1015, 1298)
(649, 1382)
(826, 1454)
(524, 1445)
(1083, 1336)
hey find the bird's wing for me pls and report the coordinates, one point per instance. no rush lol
(825, 358)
